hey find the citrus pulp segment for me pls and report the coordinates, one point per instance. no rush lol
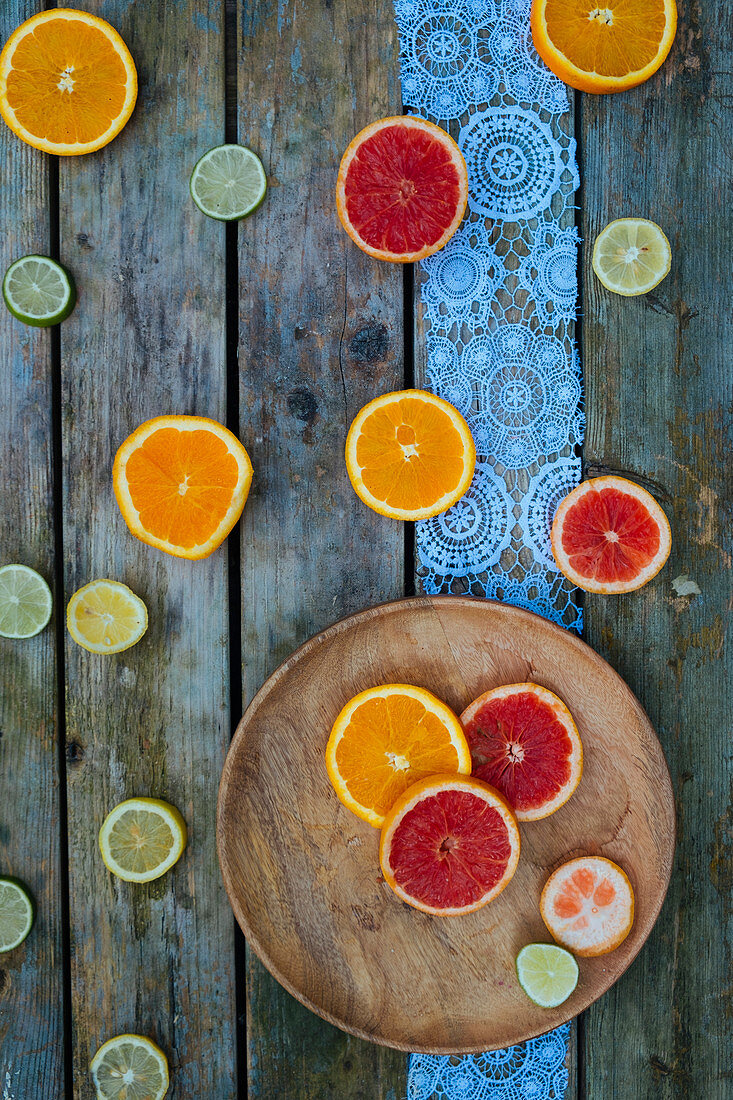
(106, 617)
(130, 1067)
(67, 82)
(410, 455)
(181, 483)
(609, 535)
(228, 182)
(38, 291)
(449, 845)
(384, 740)
(402, 189)
(25, 602)
(141, 839)
(524, 742)
(631, 256)
(548, 974)
(603, 47)
(16, 913)
(588, 905)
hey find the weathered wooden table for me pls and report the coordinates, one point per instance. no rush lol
(282, 329)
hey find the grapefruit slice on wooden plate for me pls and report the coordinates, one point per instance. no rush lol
(449, 845)
(610, 535)
(402, 189)
(524, 742)
(588, 905)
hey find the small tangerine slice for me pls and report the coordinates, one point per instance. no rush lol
(588, 905)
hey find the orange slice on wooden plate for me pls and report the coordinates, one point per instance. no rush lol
(384, 740)
(68, 83)
(588, 905)
(609, 535)
(181, 483)
(449, 845)
(402, 189)
(603, 47)
(410, 455)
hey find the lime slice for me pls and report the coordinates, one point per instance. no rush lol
(631, 256)
(16, 913)
(38, 291)
(547, 974)
(141, 839)
(25, 602)
(106, 617)
(228, 182)
(130, 1067)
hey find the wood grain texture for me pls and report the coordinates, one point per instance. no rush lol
(658, 377)
(31, 1009)
(148, 337)
(303, 872)
(321, 332)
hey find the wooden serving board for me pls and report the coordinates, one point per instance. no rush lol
(303, 874)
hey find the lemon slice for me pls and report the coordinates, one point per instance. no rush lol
(631, 256)
(130, 1067)
(25, 602)
(547, 974)
(106, 617)
(141, 839)
(16, 913)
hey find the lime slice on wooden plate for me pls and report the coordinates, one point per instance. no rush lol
(631, 256)
(38, 291)
(16, 913)
(130, 1067)
(228, 182)
(25, 602)
(106, 617)
(141, 839)
(547, 974)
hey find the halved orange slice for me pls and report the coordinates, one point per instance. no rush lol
(605, 47)
(181, 483)
(385, 739)
(67, 82)
(410, 455)
(588, 905)
(402, 189)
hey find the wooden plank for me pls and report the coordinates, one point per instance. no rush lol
(320, 334)
(148, 337)
(31, 999)
(658, 396)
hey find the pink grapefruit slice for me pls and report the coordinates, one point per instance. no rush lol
(588, 905)
(610, 535)
(524, 742)
(402, 189)
(449, 845)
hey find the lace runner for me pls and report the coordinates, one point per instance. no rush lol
(499, 310)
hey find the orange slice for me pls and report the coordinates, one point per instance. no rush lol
(181, 483)
(588, 905)
(410, 455)
(604, 47)
(449, 845)
(402, 189)
(610, 535)
(385, 739)
(67, 82)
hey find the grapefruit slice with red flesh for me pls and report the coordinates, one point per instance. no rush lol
(402, 189)
(588, 905)
(449, 845)
(610, 535)
(524, 742)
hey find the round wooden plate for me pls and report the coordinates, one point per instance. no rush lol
(302, 872)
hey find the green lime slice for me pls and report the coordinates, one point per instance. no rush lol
(25, 602)
(38, 291)
(547, 974)
(228, 182)
(16, 913)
